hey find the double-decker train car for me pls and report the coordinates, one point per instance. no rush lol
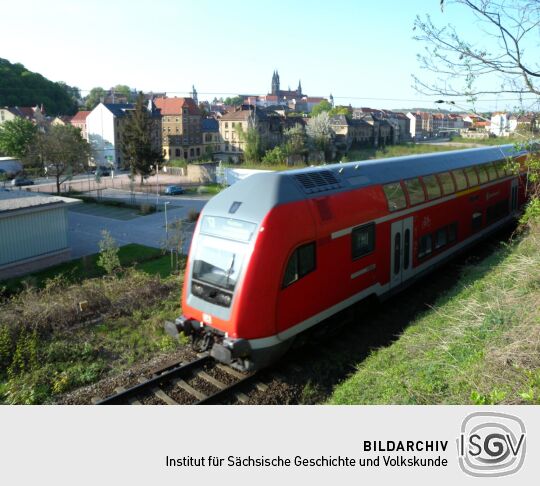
(277, 253)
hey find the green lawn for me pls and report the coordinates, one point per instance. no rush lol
(478, 345)
(86, 267)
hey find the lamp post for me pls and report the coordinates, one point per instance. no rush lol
(166, 224)
(157, 186)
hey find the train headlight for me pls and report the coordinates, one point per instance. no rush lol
(224, 299)
(197, 289)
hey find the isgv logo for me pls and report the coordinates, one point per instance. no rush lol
(491, 444)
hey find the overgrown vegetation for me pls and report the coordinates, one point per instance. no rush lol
(479, 344)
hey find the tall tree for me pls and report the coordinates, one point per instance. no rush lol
(295, 140)
(253, 145)
(505, 60)
(61, 151)
(16, 136)
(324, 105)
(94, 97)
(124, 90)
(320, 133)
(137, 146)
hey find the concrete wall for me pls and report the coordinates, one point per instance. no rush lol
(202, 173)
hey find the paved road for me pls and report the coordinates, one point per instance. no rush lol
(85, 229)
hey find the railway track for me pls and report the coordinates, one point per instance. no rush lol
(202, 381)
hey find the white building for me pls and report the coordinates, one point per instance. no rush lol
(500, 125)
(104, 126)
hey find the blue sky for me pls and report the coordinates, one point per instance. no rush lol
(359, 50)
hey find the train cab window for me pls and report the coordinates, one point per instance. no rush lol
(301, 262)
(492, 172)
(471, 176)
(440, 238)
(395, 196)
(452, 233)
(461, 180)
(363, 240)
(447, 183)
(415, 190)
(432, 187)
(425, 246)
(476, 221)
(482, 174)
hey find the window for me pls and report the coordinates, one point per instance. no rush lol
(406, 248)
(363, 240)
(198, 151)
(191, 152)
(395, 196)
(471, 175)
(440, 238)
(415, 190)
(452, 233)
(177, 152)
(447, 183)
(432, 187)
(476, 222)
(461, 180)
(492, 172)
(482, 174)
(226, 125)
(397, 253)
(226, 135)
(424, 248)
(501, 168)
(301, 262)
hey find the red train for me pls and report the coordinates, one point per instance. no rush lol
(277, 253)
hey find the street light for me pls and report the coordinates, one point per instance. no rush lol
(166, 225)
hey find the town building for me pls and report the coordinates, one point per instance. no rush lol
(35, 114)
(210, 136)
(34, 229)
(105, 124)
(181, 126)
(79, 121)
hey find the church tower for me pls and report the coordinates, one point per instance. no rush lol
(194, 95)
(299, 89)
(275, 83)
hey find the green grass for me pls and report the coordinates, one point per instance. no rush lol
(491, 140)
(397, 151)
(86, 267)
(478, 345)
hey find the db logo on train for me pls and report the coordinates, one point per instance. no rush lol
(491, 444)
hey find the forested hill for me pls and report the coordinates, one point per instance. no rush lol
(20, 87)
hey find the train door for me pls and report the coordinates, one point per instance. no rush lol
(401, 251)
(514, 196)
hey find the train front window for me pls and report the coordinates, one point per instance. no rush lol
(218, 261)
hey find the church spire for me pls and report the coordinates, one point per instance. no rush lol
(194, 95)
(299, 89)
(275, 83)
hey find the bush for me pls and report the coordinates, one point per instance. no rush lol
(193, 215)
(108, 253)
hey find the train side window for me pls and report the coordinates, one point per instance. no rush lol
(502, 168)
(301, 262)
(482, 174)
(432, 187)
(406, 248)
(415, 190)
(471, 176)
(476, 222)
(440, 238)
(395, 196)
(492, 172)
(461, 180)
(363, 240)
(447, 183)
(452, 233)
(397, 253)
(424, 248)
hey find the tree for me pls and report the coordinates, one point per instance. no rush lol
(124, 90)
(94, 97)
(234, 101)
(137, 145)
(324, 105)
(16, 136)
(295, 140)
(253, 147)
(340, 110)
(506, 61)
(60, 151)
(276, 156)
(320, 133)
(108, 253)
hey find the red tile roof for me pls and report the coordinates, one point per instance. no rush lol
(80, 117)
(174, 106)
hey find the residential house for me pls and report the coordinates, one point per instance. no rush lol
(181, 126)
(210, 137)
(79, 121)
(35, 114)
(351, 132)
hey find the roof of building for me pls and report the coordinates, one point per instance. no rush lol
(22, 111)
(174, 106)
(14, 200)
(80, 117)
(118, 109)
(210, 125)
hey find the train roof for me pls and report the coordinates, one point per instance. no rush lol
(259, 193)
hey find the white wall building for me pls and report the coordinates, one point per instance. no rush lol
(104, 128)
(500, 125)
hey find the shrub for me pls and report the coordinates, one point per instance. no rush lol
(193, 215)
(108, 253)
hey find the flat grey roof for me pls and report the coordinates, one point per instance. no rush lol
(15, 199)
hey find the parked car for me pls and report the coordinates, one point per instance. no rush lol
(174, 190)
(102, 171)
(22, 181)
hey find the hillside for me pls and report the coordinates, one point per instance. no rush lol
(21, 87)
(479, 343)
